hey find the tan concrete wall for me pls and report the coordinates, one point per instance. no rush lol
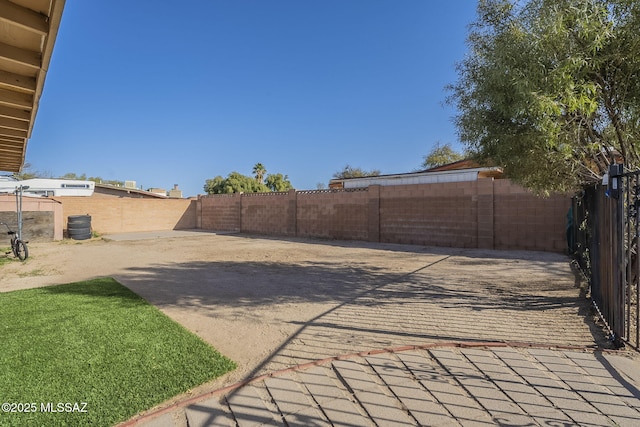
(122, 215)
(480, 214)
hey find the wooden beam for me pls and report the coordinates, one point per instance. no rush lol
(11, 164)
(12, 132)
(16, 99)
(15, 113)
(15, 150)
(15, 157)
(17, 81)
(55, 16)
(8, 152)
(12, 160)
(21, 56)
(11, 123)
(23, 17)
(19, 97)
(11, 139)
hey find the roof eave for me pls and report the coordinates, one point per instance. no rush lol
(31, 28)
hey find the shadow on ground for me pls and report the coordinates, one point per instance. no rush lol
(337, 306)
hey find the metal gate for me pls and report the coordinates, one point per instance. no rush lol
(604, 235)
(631, 235)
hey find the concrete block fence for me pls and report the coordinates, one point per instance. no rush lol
(488, 213)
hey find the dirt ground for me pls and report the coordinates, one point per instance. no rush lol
(274, 303)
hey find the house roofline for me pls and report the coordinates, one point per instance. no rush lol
(432, 171)
(130, 190)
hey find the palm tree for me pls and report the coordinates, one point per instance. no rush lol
(259, 171)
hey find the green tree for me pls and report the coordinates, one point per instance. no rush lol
(96, 179)
(259, 171)
(550, 89)
(235, 182)
(73, 175)
(278, 182)
(214, 185)
(28, 172)
(245, 184)
(351, 172)
(441, 155)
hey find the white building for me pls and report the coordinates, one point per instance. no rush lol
(47, 187)
(463, 170)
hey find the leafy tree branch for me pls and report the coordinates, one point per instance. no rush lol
(550, 89)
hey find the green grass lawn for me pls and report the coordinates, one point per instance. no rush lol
(98, 345)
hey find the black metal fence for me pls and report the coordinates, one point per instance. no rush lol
(604, 234)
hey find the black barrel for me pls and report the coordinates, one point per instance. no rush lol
(79, 227)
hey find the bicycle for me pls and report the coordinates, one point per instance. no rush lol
(18, 246)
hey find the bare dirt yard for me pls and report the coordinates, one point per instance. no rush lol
(274, 303)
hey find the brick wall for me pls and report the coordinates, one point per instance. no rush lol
(478, 214)
(122, 215)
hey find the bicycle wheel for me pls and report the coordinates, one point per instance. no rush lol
(14, 250)
(20, 250)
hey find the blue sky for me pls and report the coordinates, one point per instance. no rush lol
(170, 93)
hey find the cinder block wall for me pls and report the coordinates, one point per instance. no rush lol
(479, 214)
(324, 214)
(333, 215)
(268, 213)
(430, 214)
(485, 214)
(220, 212)
(122, 215)
(524, 221)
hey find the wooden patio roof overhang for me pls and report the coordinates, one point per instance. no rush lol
(28, 30)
